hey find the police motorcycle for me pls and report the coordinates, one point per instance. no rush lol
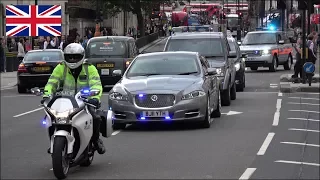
(70, 126)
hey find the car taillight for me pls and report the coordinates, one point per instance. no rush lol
(127, 63)
(22, 68)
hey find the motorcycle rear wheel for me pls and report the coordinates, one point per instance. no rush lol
(60, 162)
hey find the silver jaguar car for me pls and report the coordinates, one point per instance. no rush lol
(166, 86)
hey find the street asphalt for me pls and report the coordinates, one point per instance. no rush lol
(233, 147)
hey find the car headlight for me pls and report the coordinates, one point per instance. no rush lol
(118, 96)
(266, 52)
(193, 94)
(237, 65)
(219, 71)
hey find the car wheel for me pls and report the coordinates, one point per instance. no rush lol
(207, 120)
(21, 89)
(274, 65)
(241, 86)
(288, 64)
(233, 94)
(254, 68)
(217, 112)
(119, 126)
(225, 97)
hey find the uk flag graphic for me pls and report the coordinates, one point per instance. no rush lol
(33, 20)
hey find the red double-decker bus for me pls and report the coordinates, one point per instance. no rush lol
(179, 18)
(210, 9)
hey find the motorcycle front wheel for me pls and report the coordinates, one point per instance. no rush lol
(60, 162)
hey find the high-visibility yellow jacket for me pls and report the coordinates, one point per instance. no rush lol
(88, 78)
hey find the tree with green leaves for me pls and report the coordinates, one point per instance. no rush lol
(112, 7)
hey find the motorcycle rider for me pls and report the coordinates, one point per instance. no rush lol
(72, 75)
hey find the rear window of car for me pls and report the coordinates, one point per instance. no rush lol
(206, 47)
(46, 56)
(106, 48)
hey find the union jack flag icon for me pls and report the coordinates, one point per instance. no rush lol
(33, 20)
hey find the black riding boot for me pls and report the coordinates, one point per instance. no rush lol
(95, 136)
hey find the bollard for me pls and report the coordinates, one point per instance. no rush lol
(9, 61)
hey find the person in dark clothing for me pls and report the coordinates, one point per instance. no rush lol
(298, 66)
(2, 55)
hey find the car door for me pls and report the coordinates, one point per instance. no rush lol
(230, 63)
(241, 61)
(281, 49)
(208, 80)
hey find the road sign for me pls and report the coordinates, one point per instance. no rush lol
(309, 67)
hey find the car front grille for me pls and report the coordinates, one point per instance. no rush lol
(253, 53)
(155, 100)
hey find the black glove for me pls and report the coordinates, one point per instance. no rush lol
(44, 99)
(94, 102)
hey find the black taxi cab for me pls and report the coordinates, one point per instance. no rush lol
(36, 68)
(110, 54)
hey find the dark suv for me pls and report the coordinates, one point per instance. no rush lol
(214, 46)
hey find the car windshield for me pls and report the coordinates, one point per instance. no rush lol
(232, 21)
(206, 47)
(46, 56)
(232, 45)
(169, 64)
(259, 38)
(105, 48)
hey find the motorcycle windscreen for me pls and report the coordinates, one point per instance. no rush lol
(63, 104)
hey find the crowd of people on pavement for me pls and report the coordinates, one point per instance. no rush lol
(313, 45)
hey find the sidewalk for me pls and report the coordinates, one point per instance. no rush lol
(287, 86)
(8, 79)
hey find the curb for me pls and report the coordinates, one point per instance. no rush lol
(287, 78)
(286, 87)
(151, 44)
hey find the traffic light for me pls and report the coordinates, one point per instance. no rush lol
(302, 5)
(240, 15)
(281, 4)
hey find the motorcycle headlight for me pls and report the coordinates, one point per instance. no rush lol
(219, 71)
(237, 65)
(266, 52)
(193, 94)
(61, 117)
(118, 96)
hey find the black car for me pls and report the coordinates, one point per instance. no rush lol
(111, 52)
(214, 46)
(239, 63)
(36, 68)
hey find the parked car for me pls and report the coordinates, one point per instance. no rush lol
(166, 86)
(215, 48)
(36, 68)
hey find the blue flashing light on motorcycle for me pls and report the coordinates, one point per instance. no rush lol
(272, 27)
(85, 92)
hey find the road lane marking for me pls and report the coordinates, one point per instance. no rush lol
(247, 173)
(28, 112)
(305, 98)
(303, 104)
(116, 132)
(18, 96)
(265, 144)
(276, 116)
(280, 94)
(297, 162)
(305, 111)
(273, 84)
(302, 144)
(304, 119)
(309, 130)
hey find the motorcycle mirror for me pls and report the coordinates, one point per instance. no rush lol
(94, 92)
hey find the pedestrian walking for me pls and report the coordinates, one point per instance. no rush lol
(21, 52)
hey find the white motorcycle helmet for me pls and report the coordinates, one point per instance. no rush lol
(74, 55)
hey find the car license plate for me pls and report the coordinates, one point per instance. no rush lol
(41, 69)
(105, 71)
(155, 113)
(106, 65)
(251, 59)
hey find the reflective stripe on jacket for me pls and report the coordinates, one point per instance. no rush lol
(88, 78)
